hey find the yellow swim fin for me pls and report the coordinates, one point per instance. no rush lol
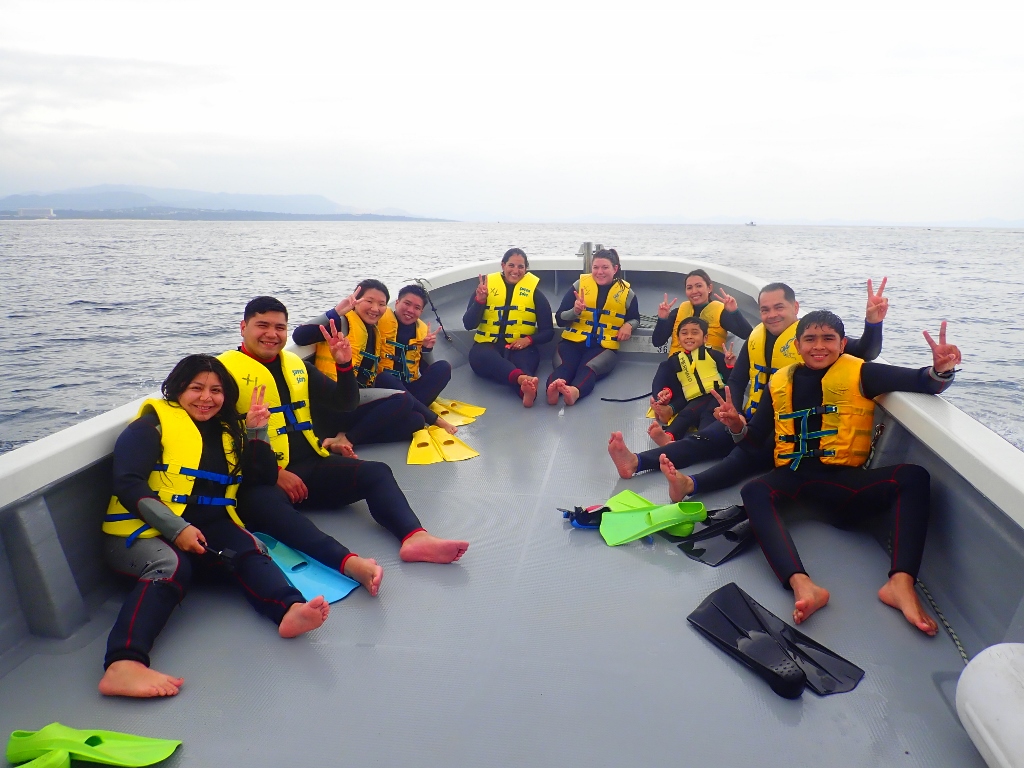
(459, 407)
(454, 418)
(449, 446)
(422, 449)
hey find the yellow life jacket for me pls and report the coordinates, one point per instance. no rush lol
(405, 361)
(249, 373)
(712, 315)
(520, 314)
(365, 364)
(784, 353)
(698, 376)
(600, 326)
(172, 479)
(847, 418)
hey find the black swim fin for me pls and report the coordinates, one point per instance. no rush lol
(786, 659)
(714, 546)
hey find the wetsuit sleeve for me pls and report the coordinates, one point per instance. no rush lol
(723, 369)
(762, 426)
(259, 467)
(474, 314)
(633, 312)
(663, 329)
(665, 377)
(878, 378)
(565, 316)
(740, 377)
(426, 358)
(735, 323)
(340, 395)
(868, 346)
(309, 333)
(545, 328)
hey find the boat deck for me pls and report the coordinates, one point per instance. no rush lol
(542, 646)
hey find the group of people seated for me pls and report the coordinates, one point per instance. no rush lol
(247, 441)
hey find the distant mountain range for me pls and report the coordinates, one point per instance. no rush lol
(124, 197)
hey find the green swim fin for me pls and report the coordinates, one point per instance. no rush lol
(58, 758)
(459, 407)
(627, 500)
(449, 446)
(107, 747)
(454, 418)
(621, 527)
(422, 450)
(309, 576)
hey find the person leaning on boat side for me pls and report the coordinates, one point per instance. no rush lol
(177, 470)
(684, 382)
(720, 312)
(384, 415)
(411, 365)
(820, 415)
(309, 476)
(772, 340)
(511, 317)
(587, 349)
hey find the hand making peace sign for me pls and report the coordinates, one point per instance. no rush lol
(727, 414)
(481, 291)
(730, 356)
(945, 357)
(665, 307)
(348, 303)
(877, 304)
(430, 339)
(259, 413)
(581, 302)
(341, 350)
(725, 298)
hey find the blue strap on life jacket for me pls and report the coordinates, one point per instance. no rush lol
(292, 424)
(400, 360)
(803, 436)
(201, 474)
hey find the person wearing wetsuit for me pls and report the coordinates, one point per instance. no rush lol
(177, 470)
(384, 415)
(683, 384)
(598, 313)
(512, 318)
(310, 476)
(819, 414)
(721, 313)
(769, 347)
(412, 366)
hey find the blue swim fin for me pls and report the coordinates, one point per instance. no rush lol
(307, 575)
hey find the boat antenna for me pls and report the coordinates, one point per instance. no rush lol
(423, 284)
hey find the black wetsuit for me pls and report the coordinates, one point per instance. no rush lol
(733, 322)
(434, 376)
(849, 494)
(698, 412)
(493, 360)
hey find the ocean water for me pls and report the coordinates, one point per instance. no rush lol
(97, 312)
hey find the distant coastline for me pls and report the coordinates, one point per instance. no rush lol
(166, 213)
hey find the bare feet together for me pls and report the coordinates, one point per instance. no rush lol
(366, 572)
(451, 429)
(528, 389)
(570, 394)
(340, 445)
(304, 617)
(809, 597)
(421, 547)
(625, 460)
(659, 435)
(553, 391)
(679, 486)
(898, 592)
(133, 678)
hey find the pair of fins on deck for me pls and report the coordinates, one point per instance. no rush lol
(433, 444)
(55, 745)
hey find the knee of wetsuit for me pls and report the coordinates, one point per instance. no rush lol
(376, 472)
(912, 473)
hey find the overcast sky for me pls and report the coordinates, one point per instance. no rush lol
(522, 111)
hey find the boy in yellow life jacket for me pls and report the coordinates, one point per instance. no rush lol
(683, 384)
(819, 414)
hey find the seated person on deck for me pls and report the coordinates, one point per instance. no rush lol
(683, 384)
(721, 314)
(772, 340)
(309, 476)
(177, 471)
(820, 416)
(384, 415)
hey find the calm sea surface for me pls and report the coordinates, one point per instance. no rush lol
(97, 312)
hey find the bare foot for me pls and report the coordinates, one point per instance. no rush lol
(133, 678)
(341, 445)
(570, 394)
(421, 547)
(659, 435)
(898, 592)
(304, 617)
(625, 460)
(528, 388)
(451, 429)
(809, 597)
(554, 391)
(679, 486)
(366, 572)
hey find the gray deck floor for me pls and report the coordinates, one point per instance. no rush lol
(541, 647)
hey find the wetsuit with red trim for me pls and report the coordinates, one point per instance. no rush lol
(849, 494)
(163, 571)
(698, 412)
(733, 322)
